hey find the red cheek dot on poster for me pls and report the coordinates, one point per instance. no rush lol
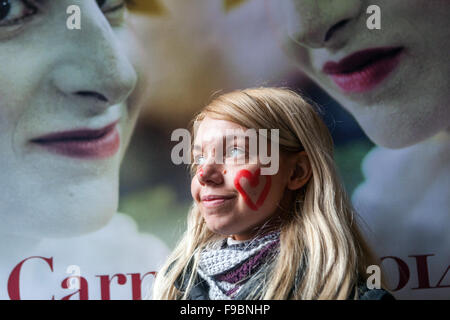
(224, 171)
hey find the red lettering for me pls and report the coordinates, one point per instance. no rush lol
(105, 283)
(14, 277)
(442, 278)
(422, 271)
(136, 282)
(82, 291)
(403, 271)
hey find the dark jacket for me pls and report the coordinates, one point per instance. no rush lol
(200, 291)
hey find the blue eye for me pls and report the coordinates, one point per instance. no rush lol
(199, 159)
(235, 152)
(14, 11)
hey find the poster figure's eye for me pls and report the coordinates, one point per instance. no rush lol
(111, 5)
(14, 12)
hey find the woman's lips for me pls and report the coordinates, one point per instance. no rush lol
(83, 143)
(363, 70)
(212, 201)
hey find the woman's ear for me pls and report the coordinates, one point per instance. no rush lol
(300, 172)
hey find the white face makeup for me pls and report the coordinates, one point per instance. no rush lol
(64, 115)
(395, 81)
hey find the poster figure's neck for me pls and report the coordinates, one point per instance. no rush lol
(16, 246)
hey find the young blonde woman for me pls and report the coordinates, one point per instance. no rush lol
(287, 235)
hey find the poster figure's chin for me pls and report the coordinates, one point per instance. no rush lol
(396, 131)
(61, 215)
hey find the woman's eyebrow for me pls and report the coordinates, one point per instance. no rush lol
(197, 147)
(241, 139)
(226, 139)
(233, 137)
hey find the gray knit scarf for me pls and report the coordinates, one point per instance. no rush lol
(228, 268)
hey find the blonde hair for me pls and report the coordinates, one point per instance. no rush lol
(322, 253)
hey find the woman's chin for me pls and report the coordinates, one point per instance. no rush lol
(221, 228)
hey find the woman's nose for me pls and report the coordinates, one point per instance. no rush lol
(96, 67)
(320, 23)
(210, 174)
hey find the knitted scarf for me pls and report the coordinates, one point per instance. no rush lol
(227, 268)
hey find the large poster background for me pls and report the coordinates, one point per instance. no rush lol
(194, 49)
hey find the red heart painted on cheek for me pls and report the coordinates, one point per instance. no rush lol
(254, 181)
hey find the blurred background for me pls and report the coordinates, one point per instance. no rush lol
(192, 50)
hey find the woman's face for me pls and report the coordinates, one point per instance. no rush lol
(66, 114)
(233, 197)
(395, 80)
